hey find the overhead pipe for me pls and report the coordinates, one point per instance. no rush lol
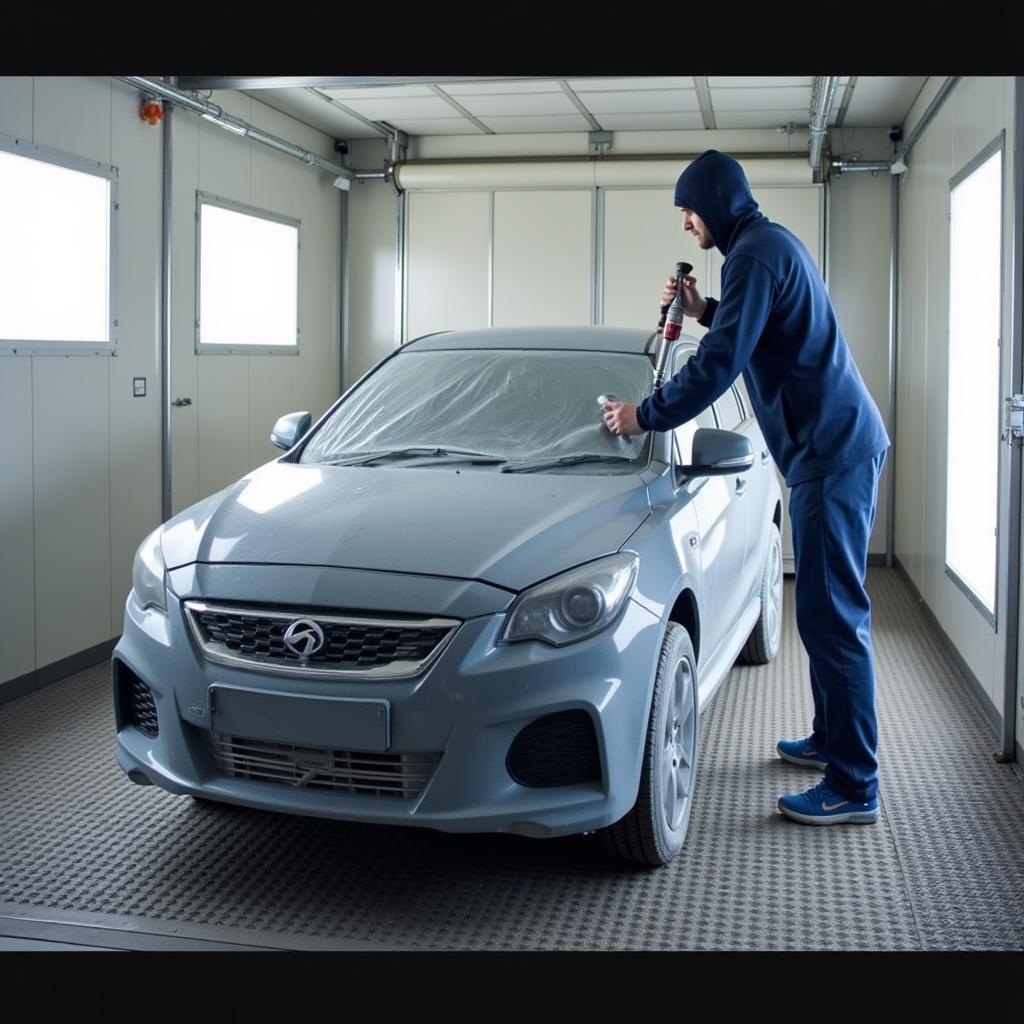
(217, 115)
(875, 166)
(822, 98)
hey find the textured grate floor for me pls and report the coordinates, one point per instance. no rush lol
(942, 869)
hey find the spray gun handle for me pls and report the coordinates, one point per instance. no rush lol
(682, 269)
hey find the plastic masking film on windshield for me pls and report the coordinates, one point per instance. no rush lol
(517, 404)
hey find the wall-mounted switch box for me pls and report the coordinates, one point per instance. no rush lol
(139, 387)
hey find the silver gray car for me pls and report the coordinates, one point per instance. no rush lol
(457, 601)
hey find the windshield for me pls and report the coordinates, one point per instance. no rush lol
(513, 404)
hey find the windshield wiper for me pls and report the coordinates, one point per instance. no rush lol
(457, 454)
(566, 460)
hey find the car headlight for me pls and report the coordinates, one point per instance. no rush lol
(575, 604)
(148, 572)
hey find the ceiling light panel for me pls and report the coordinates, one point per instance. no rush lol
(651, 122)
(760, 99)
(435, 125)
(522, 105)
(550, 123)
(388, 110)
(763, 81)
(488, 88)
(881, 102)
(760, 118)
(582, 85)
(638, 102)
(378, 92)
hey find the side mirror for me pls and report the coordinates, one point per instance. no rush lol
(718, 453)
(288, 429)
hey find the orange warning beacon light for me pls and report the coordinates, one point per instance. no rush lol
(151, 110)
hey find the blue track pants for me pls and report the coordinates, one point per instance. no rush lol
(832, 518)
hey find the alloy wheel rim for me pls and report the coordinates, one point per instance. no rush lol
(677, 748)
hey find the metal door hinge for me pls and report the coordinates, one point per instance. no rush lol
(1014, 422)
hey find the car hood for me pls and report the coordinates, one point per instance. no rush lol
(507, 529)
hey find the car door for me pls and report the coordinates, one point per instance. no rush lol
(760, 493)
(711, 498)
(743, 561)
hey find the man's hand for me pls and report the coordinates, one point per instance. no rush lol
(620, 418)
(693, 303)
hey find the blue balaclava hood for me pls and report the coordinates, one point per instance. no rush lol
(716, 189)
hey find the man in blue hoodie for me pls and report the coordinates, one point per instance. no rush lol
(775, 324)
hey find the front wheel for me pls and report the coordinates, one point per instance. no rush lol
(653, 832)
(763, 643)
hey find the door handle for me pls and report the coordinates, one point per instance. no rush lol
(741, 485)
(182, 401)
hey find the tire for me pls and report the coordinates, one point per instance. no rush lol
(763, 643)
(654, 830)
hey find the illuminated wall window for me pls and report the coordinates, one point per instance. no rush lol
(247, 279)
(972, 477)
(56, 252)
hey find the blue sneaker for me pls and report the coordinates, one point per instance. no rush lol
(821, 806)
(801, 752)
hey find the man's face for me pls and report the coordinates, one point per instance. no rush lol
(697, 228)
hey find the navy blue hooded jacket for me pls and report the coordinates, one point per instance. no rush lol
(776, 325)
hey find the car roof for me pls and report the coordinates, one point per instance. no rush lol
(587, 338)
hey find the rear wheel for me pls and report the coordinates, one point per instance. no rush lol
(654, 830)
(763, 643)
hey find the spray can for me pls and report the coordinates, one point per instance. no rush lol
(673, 324)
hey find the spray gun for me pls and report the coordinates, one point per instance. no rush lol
(669, 328)
(671, 323)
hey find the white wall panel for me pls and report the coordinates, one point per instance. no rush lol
(17, 522)
(71, 447)
(859, 289)
(73, 115)
(270, 397)
(184, 381)
(543, 244)
(910, 377)
(16, 106)
(222, 417)
(225, 159)
(447, 262)
(135, 450)
(315, 374)
(371, 274)
(643, 241)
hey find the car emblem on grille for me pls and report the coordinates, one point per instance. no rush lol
(303, 637)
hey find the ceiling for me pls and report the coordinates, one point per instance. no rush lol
(364, 108)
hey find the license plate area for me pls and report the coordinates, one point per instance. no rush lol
(340, 723)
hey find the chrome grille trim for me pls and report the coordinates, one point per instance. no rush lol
(397, 775)
(400, 668)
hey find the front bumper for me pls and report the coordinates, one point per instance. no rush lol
(467, 708)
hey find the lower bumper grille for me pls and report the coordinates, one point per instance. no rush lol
(556, 750)
(136, 698)
(369, 774)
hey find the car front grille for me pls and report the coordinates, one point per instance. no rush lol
(556, 750)
(363, 646)
(395, 775)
